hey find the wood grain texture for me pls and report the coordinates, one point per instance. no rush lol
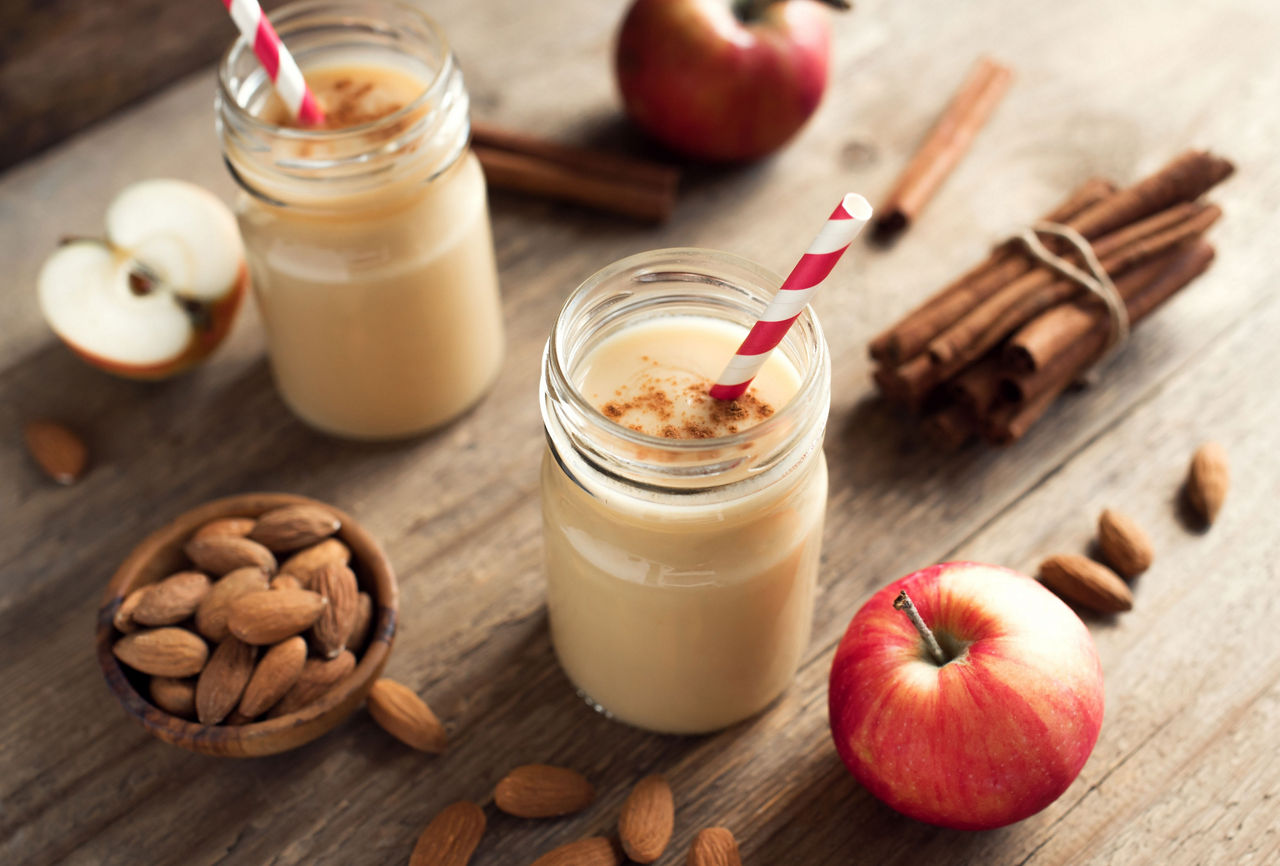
(1186, 768)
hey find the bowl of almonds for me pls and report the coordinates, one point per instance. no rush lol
(249, 625)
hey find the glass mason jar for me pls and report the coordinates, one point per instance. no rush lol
(369, 247)
(680, 572)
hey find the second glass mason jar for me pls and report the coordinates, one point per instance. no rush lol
(680, 572)
(368, 243)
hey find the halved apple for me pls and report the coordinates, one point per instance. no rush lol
(159, 292)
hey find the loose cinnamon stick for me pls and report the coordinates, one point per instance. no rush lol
(530, 174)
(622, 168)
(947, 142)
(1037, 291)
(912, 334)
(1073, 336)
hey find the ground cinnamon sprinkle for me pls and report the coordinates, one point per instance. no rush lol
(698, 417)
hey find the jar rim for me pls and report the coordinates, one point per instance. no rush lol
(813, 376)
(293, 15)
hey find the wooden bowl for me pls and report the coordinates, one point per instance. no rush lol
(161, 554)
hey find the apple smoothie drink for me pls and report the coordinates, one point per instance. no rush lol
(681, 533)
(367, 240)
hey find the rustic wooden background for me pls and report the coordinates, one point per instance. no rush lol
(1187, 769)
(66, 64)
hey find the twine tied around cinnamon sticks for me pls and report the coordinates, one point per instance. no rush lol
(1097, 280)
(989, 353)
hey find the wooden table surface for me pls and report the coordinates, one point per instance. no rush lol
(1187, 769)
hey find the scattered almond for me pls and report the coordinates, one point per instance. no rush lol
(543, 791)
(1086, 582)
(1124, 545)
(1208, 480)
(123, 618)
(318, 677)
(714, 846)
(360, 625)
(220, 554)
(58, 451)
(451, 837)
(302, 563)
(405, 716)
(337, 584)
(271, 615)
(592, 851)
(275, 673)
(294, 526)
(172, 600)
(176, 697)
(163, 652)
(211, 615)
(236, 526)
(223, 680)
(647, 819)
(286, 581)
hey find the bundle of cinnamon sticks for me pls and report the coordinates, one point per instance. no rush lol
(989, 353)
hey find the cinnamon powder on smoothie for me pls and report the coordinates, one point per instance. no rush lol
(693, 414)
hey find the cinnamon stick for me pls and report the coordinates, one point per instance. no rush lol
(946, 143)
(1073, 336)
(976, 388)
(951, 428)
(608, 182)
(1187, 177)
(1024, 298)
(911, 335)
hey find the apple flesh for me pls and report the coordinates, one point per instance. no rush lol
(159, 293)
(991, 736)
(722, 81)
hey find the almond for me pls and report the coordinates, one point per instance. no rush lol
(337, 584)
(123, 618)
(176, 697)
(318, 677)
(211, 615)
(1124, 545)
(714, 846)
(294, 526)
(276, 672)
(163, 652)
(592, 851)
(271, 615)
(172, 600)
(360, 625)
(543, 791)
(1208, 480)
(302, 563)
(223, 680)
(235, 526)
(1086, 582)
(451, 837)
(220, 554)
(647, 819)
(59, 452)
(286, 581)
(236, 719)
(405, 716)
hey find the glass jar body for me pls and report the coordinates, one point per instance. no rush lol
(369, 248)
(681, 576)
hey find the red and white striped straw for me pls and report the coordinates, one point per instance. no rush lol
(809, 275)
(276, 60)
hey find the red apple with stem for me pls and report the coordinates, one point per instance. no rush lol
(159, 292)
(723, 80)
(966, 695)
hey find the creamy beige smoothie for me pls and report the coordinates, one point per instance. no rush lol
(684, 612)
(379, 294)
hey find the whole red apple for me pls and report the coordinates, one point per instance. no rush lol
(990, 732)
(723, 80)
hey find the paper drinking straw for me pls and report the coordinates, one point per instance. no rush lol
(809, 274)
(276, 60)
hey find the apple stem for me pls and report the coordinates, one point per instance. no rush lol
(751, 10)
(903, 603)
